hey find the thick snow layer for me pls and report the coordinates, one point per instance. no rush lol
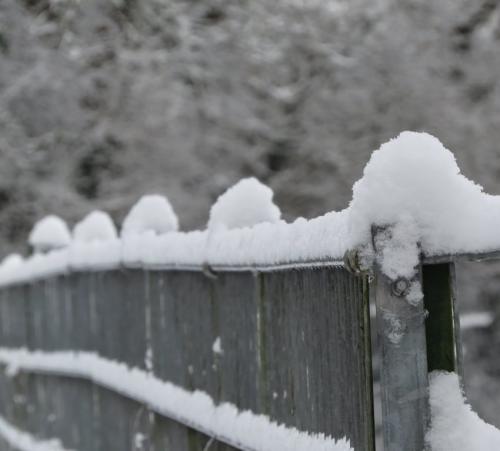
(96, 226)
(195, 409)
(454, 426)
(416, 179)
(245, 204)
(152, 213)
(49, 233)
(23, 441)
(411, 188)
(11, 262)
(262, 245)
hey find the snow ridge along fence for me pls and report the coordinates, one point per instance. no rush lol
(292, 344)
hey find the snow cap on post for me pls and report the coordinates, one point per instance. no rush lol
(245, 204)
(49, 233)
(414, 179)
(151, 213)
(96, 226)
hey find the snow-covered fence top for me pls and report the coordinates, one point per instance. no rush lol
(254, 332)
(411, 181)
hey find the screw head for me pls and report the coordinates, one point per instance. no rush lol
(400, 287)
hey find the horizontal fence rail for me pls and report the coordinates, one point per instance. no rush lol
(291, 344)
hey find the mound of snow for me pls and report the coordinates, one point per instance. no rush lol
(245, 204)
(151, 213)
(11, 267)
(414, 178)
(49, 233)
(11, 261)
(454, 426)
(96, 226)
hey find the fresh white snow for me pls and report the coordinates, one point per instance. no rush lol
(22, 441)
(414, 179)
(195, 409)
(245, 204)
(96, 226)
(95, 244)
(49, 233)
(152, 213)
(217, 346)
(412, 184)
(11, 264)
(454, 425)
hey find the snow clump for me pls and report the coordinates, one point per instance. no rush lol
(245, 204)
(49, 233)
(10, 265)
(96, 226)
(152, 213)
(454, 425)
(413, 178)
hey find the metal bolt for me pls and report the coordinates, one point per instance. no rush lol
(400, 287)
(352, 261)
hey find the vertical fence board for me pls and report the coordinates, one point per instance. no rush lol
(314, 336)
(235, 328)
(121, 322)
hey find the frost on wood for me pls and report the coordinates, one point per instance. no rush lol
(245, 204)
(454, 425)
(152, 213)
(49, 233)
(196, 409)
(96, 226)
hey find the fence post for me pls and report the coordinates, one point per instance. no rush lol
(404, 378)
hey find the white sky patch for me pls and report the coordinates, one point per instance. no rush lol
(22, 441)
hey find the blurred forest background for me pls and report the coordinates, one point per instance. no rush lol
(103, 101)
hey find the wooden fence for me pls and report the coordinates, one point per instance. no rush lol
(291, 343)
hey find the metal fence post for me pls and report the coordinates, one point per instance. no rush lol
(404, 378)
